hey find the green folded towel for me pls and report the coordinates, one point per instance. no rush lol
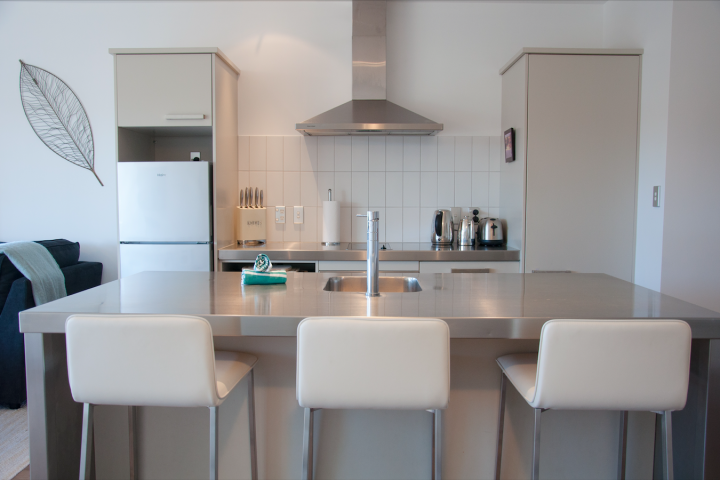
(262, 275)
(251, 277)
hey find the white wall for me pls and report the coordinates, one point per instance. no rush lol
(647, 25)
(691, 264)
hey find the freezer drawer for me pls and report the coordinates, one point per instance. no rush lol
(164, 201)
(164, 258)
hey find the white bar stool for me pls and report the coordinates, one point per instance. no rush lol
(373, 363)
(640, 365)
(152, 360)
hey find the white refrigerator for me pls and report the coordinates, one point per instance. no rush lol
(165, 216)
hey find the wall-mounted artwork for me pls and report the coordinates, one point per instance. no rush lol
(57, 116)
(509, 145)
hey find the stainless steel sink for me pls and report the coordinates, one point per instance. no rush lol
(359, 284)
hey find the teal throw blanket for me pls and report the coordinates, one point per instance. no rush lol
(37, 265)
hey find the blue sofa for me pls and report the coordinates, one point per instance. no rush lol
(16, 296)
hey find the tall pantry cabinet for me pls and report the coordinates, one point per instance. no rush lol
(169, 103)
(569, 198)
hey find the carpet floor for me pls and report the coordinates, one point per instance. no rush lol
(14, 443)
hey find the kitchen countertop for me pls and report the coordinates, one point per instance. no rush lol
(424, 252)
(474, 305)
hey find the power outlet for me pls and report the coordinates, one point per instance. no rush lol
(195, 156)
(656, 196)
(279, 214)
(298, 216)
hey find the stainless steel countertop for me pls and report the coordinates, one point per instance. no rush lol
(474, 305)
(424, 252)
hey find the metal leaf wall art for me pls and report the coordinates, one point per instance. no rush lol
(57, 116)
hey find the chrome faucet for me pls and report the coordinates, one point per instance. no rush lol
(372, 253)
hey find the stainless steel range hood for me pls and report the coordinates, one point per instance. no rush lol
(369, 112)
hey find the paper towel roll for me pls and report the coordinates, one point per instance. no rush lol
(331, 222)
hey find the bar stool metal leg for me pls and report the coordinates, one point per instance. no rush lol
(308, 444)
(253, 434)
(536, 446)
(501, 426)
(667, 443)
(86, 452)
(213, 443)
(132, 435)
(623, 445)
(437, 445)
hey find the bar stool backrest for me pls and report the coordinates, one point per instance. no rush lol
(141, 360)
(373, 363)
(613, 365)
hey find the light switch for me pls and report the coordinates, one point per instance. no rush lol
(656, 196)
(298, 214)
(280, 214)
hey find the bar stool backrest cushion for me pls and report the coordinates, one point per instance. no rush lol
(373, 363)
(149, 360)
(613, 365)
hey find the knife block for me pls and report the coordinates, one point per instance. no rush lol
(250, 226)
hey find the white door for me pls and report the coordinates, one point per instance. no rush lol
(164, 90)
(164, 201)
(164, 258)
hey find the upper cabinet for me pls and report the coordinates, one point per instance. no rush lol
(570, 196)
(173, 90)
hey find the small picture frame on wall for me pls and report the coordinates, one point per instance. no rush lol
(509, 145)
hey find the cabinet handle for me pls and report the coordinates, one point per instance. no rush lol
(469, 270)
(185, 117)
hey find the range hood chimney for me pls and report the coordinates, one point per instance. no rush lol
(369, 112)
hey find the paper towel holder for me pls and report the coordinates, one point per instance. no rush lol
(325, 244)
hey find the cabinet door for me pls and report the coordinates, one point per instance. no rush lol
(164, 90)
(581, 163)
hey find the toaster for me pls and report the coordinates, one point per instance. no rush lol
(490, 231)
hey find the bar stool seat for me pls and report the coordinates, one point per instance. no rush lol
(622, 365)
(373, 363)
(152, 360)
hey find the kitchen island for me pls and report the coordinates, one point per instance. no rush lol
(488, 314)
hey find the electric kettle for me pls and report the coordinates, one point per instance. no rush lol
(490, 231)
(442, 228)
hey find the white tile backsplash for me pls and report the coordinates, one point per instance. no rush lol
(275, 160)
(376, 154)
(394, 154)
(411, 189)
(343, 188)
(258, 153)
(360, 189)
(480, 154)
(393, 224)
(308, 154)
(463, 154)
(428, 189)
(394, 189)
(291, 154)
(360, 154)
(343, 154)
(326, 154)
(446, 154)
(291, 191)
(405, 178)
(308, 189)
(376, 189)
(411, 154)
(429, 154)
